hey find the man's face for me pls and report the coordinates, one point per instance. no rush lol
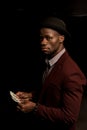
(50, 41)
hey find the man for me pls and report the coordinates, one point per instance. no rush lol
(60, 97)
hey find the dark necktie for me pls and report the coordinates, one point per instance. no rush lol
(46, 72)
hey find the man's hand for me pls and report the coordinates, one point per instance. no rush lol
(24, 95)
(26, 106)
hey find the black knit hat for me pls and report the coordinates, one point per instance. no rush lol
(55, 24)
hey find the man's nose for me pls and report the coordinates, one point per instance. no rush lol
(44, 41)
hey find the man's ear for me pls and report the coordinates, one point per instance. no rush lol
(61, 38)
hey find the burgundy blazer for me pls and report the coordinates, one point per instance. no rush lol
(61, 95)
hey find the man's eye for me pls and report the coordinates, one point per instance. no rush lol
(48, 38)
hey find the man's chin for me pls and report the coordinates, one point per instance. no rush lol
(46, 52)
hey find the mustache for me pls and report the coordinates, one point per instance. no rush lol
(43, 45)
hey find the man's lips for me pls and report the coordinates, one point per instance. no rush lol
(44, 49)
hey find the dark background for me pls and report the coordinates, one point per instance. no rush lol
(19, 49)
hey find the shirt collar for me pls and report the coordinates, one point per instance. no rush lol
(55, 58)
